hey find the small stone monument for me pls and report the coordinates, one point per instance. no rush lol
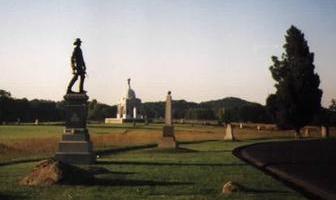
(324, 132)
(168, 137)
(241, 125)
(229, 133)
(306, 132)
(75, 146)
(36, 122)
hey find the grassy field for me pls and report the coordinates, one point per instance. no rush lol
(31, 142)
(197, 171)
(26, 142)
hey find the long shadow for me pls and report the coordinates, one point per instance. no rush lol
(102, 170)
(218, 151)
(178, 193)
(196, 142)
(127, 183)
(120, 150)
(175, 150)
(11, 196)
(99, 152)
(172, 164)
(260, 191)
(22, 161)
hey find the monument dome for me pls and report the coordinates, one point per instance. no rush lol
(130, 93)
(129, 107)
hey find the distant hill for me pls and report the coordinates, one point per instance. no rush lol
(227, 103)
(226, 109)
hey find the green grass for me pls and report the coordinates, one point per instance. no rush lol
(198, 171)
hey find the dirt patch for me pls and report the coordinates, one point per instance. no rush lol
(51, 172)
(231, 187)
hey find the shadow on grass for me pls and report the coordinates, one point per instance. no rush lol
(22, 161)
(172, 164)
(196, 142)
(124, 149)
(260, 191)
(218, 151)
(173, 150)
(130, 183)
(101, 170)
(126, 182)
(11, 196)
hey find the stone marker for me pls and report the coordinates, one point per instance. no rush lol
(168, 137)
(146, 120)
(241, 125)
(36, 122)
(229, 133)
(306, 132)
(324, 132)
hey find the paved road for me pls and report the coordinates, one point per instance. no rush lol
(307, 165)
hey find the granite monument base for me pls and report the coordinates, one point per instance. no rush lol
(75, 146)
(168, 140)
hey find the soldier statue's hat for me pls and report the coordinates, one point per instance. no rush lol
(78, 41)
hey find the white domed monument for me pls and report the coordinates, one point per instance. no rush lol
(129, 107)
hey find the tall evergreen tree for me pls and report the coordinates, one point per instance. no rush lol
(298, 97)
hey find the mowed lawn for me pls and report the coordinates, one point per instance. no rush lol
(32, 142)
(196, 171)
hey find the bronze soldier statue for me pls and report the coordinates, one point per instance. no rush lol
(78, 67)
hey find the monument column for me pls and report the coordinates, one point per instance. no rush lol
(168, 137)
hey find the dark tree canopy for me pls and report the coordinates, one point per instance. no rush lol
(298, 97)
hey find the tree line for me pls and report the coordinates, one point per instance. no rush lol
(229, 109)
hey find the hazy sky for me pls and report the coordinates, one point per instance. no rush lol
(198, 49)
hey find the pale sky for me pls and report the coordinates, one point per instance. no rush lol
(200, 50)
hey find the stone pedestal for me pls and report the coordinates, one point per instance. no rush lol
(324, 132)
(168, 138)
(306, 132)
(75, 146)
(229, 133)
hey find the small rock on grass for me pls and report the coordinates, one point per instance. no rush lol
(231, 187)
